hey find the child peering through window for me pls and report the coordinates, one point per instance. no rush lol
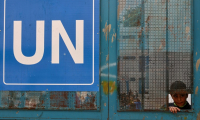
(179, 94)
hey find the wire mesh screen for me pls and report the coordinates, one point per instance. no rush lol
(55, 100)
(154, 51)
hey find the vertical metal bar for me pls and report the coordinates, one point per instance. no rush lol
(104, 52)
(112, 60)
(196, 43)
(167, 59)
(1, 99)
(22, 99)
(192, 52)
(108, 32)
(47, 101)
(71, 100)
(192, 45)
(143, 56)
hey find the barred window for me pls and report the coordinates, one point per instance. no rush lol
(154, 51)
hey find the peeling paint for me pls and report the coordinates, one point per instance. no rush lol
(17, 112)
(171, 28)
(187, 30)
(163, 2)
(196, 90)
(112, 87)
(106, 29)
(196, 53)
(105, 87)
(197, 64)
(139, 33)
(107, 57)
(185, 118)
(148, 19)
(143, 118)
(198, 116)
(163, 44)
(105, 104)
(114, 36)
(188, 37)
(120, 7)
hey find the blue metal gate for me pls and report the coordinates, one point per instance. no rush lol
(145, 45)
(151, 45)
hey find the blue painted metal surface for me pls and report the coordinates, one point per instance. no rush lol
(84, 114)
(108, 93)
(50, 45)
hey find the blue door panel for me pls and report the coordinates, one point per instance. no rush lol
(69, 112)
(114, 112)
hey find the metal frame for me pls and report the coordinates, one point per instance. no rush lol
(108, 100)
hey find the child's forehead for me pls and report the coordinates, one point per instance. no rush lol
(179, 92)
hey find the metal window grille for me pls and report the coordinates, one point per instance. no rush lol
(54, 100)
(154, 50)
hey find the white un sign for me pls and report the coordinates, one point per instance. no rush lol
(57, 29)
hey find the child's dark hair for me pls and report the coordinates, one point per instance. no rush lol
(176, 86)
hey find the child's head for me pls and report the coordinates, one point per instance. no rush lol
(179, 93)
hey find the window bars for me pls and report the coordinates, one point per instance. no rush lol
(154, 50)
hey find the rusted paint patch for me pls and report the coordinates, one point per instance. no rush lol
(188, 37)
(85, 100)
(107, 57)
(114, 36)
(197, 64)
(196, 53)
(185, 118)
(106, 29)
(105, 104)
(187, 30)
(163, 2)
(148, 19)
(105, 87)
(118, 11)
(112, 87)
(163, 44)
(143, 118)
(198, 116)
(121, 5)
(17, 112)
(60, 97)
(196, 90)
(171, 28)
(139, 34)
(147, 27)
